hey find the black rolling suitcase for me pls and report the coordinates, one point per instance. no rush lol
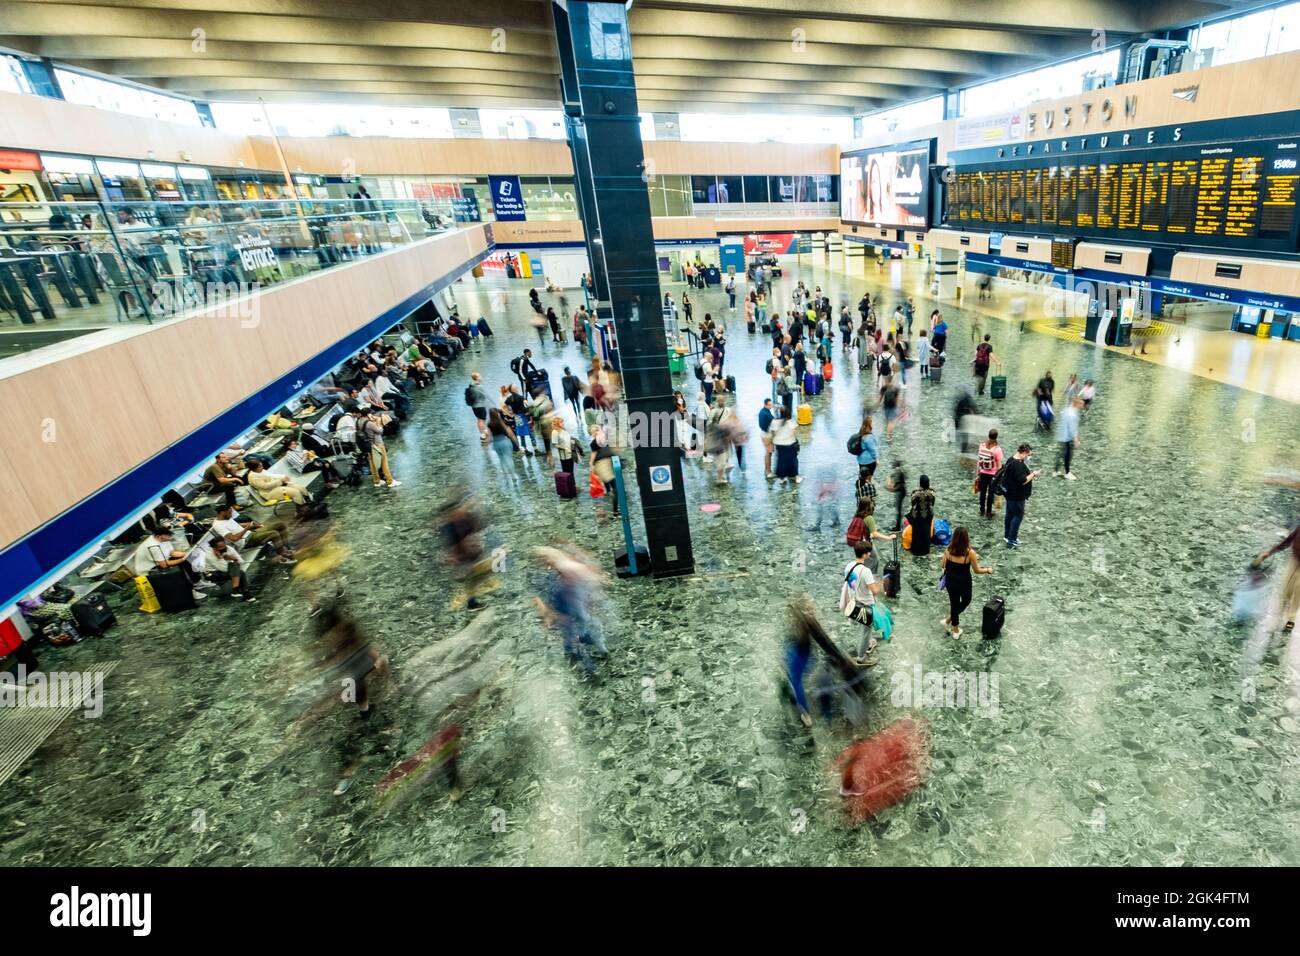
(92, 615)
(751, 327)
(893, 574)
(995, 614)
(731, 384)
(173, 590)
(483, 328)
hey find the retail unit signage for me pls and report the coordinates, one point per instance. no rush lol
(17, 159)
(255, 253)
(507, 198)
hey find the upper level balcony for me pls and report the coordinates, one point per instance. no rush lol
(70, 268)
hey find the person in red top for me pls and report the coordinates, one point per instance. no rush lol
(1290, 590)
(983, 359)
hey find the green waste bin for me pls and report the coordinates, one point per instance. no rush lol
(676, 362)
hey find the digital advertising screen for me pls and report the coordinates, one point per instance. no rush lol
(1236, 195)
(886, 186)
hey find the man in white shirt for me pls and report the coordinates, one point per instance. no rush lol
(221, 562)
(241, 532)
(345, 430)
(157, 552)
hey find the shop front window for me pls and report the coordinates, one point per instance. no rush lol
(549, 198)
(123, 182)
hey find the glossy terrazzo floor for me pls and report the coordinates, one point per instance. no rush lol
(1121, 733)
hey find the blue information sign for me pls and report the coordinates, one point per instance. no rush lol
(507, 198)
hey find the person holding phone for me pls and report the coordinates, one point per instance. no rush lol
(1017, 484)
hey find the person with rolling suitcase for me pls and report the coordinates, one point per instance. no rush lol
(960, 562)
(566, 485)
(168, 569)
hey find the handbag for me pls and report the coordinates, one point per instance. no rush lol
(595, 486)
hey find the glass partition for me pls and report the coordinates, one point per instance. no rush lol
(72, 267)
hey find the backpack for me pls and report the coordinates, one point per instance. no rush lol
(982, 353)
(886, 363)
(699, 371)
(857, 531)
(469, 395)
(999, 485)
(515, 363)
(855, 447)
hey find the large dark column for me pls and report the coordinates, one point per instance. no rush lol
(603, 122)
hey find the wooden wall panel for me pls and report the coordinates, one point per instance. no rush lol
(18, 513)
(951, 239)
(684, 227)
(55, 126)
(121, 400)
(1036, 250)
(1134, 260)
(529, 232)
(1265, 276)
(779, 224)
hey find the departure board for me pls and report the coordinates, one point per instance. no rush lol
(1230, 195)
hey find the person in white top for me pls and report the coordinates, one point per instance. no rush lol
(785, 441)
(858, 593)
(241, 532)
(345, 430)
(222, 561)
(157, 552)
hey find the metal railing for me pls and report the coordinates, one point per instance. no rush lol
(80, 265)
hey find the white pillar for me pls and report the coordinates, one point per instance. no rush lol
(944, 286)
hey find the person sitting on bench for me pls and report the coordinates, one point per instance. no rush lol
(222, 562)
(303, 460)
(270, 487)
(222, 476)
(241, 532)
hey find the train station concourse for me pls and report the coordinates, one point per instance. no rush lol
(571, 433)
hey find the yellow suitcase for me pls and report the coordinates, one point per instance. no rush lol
(805, 414)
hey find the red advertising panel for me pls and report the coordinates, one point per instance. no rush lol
(17, 159)
(776, 243)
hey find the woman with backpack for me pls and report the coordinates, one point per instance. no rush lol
(572, 387)
(868, 445)
(863, 526)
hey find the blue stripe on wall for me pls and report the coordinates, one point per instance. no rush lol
(46, 552)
